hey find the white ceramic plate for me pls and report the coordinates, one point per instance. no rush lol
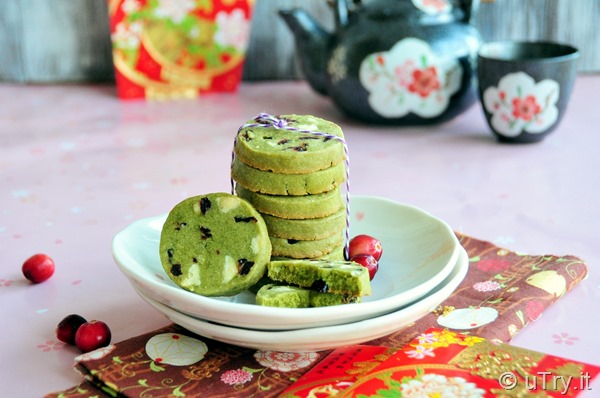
(419, 251)
(321, 338)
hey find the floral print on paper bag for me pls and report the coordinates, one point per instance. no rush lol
(410, 78)
(520, 104)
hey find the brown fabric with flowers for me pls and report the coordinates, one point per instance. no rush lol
(502, 292)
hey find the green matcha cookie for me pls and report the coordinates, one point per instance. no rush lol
(283, 296)
(309, 229)
(305, 248)
(267, 182)
(214, 245)
(283, 151)
(337, 253)
(297, 297)
(318, 299)
(327, 276)
(294, 207)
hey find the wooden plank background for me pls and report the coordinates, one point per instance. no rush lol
(44, 41)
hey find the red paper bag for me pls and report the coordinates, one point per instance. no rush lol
(166, 49)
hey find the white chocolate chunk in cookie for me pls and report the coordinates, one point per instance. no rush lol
(226, 204)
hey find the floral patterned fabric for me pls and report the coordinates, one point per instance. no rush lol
(502, 293)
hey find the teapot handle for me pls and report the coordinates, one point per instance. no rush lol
(342, 10)
(470, 8)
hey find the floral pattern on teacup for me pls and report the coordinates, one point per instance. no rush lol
(520, 104)
(410, 78)
(433, 7)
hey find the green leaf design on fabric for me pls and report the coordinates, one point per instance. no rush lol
(474, 259)
(494, 301)
(155, 367)
(143, 382)
(116, 359)
(519, 315)
(178, 393)
(424, 61)
(250, 370)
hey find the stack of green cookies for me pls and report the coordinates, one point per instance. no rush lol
(294, 180)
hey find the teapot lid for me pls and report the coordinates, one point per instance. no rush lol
(414, 10)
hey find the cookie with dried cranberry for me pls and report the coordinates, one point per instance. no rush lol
(294, 248)
(327, 276)
(283, 296)
(214, 245)
(282, 151)
(270, 183)
(294, 207)
(296, 297)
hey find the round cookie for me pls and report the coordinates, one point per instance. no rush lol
(309, 229)
(266, 182)
(283, 151)
(294, 207)
(283, 296)
(214, 245)
(293, 248)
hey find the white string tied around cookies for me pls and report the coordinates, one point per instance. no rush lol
(267, 120)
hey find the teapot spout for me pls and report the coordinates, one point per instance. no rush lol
(312, 43)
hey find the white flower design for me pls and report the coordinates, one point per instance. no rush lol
(127, 36)
(420, 352)
(233, 29)
(410, 78)
(519, 104)
(433, 7)
(431, 384)
(285, 361)
(130, 6)
(96, 354)
(175, 349)
(468, 318)
(175, 10)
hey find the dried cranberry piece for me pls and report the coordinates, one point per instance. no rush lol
(176, 269)
(245, 219)
(244, 266)
(206, 233)
(320, 286)
(205, 204)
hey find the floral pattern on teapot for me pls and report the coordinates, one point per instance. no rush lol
(433, 7)
(410, 78)
(519, 104)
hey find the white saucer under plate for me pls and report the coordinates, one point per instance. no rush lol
(326, 337)
(420, 250)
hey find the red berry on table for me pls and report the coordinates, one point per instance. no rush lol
(38, 268)
(367, 261)
(365, 244)
(92, 335)
(66, 329)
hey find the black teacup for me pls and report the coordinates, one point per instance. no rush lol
(524, 87)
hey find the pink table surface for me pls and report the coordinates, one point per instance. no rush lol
(77, 166)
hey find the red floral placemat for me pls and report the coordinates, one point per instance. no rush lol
(444, 363)
(502, 292)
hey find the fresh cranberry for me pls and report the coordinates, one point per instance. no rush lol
(92, 335)
(38, 268)
(365, 244)
(367, 261)
(66, 329)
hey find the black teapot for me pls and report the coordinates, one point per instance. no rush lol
(399, 62)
